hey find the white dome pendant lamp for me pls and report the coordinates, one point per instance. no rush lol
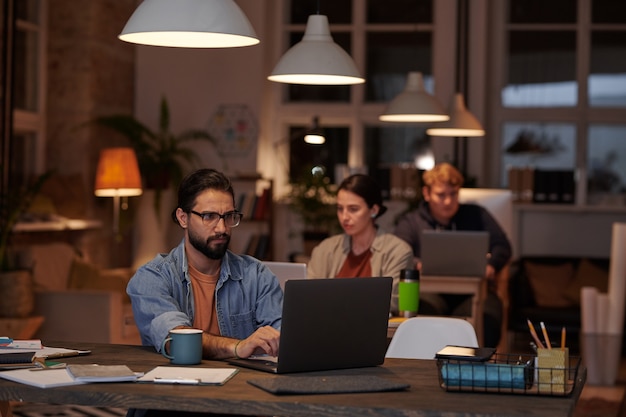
(316, 59)
(414, 104)
(462, 122)
(189, 24)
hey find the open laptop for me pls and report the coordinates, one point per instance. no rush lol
(286, 270)
(454, 252)
(330, 324)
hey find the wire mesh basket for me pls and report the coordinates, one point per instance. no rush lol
(508, 374)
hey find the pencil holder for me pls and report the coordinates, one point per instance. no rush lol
(552, 368)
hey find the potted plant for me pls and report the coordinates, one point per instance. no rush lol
(15, 282)
(313, 197)
(163, 156)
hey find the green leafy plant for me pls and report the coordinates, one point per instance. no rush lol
(13, 203)
(313, 197)
(163, 157)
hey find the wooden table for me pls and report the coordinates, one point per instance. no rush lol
(474, 286)
(424, 398)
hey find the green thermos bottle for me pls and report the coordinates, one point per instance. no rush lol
(409, 292)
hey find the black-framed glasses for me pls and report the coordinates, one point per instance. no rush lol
(210, 218)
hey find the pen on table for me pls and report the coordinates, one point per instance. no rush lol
(533, 333)
(177, 380)
(58, 355)
(563, 338)
(545, 335)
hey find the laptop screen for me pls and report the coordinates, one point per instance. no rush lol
(454, 253)
(331, 324)
(335, 323)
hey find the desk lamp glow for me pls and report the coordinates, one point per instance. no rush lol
(117, 176)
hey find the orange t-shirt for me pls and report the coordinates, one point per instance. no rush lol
(356, 266)
(204, 300)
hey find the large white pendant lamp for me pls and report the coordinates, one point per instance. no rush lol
(316, 59)
(189, 24)
(414, 104)
(462, 122)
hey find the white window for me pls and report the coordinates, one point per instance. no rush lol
(560, 92)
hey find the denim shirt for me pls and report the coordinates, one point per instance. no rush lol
(247, 296)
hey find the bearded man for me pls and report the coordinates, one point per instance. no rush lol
(201, 284)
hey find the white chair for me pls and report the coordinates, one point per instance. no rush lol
(422, 337)
(286, 270)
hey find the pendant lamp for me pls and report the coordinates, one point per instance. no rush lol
(414, 104)
(316, 59)
(189, 24)
(462, 122)
(315, 135)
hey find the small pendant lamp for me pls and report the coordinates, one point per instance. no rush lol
(462, 122)
(316, 59)
(315, 135)
(414, 104)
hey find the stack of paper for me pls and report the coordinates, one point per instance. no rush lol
(8, 343)
(42, 378)
(102, 373)
(72, 375)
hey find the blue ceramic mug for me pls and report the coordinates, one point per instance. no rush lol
(185, 346)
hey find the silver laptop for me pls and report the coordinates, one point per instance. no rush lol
(330, 324)
(454, 252)
(286, 270)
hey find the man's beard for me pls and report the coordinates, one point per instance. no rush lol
(211, 252)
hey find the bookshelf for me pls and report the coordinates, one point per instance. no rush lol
(254, 198)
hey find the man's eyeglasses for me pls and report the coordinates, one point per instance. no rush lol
(210, 218)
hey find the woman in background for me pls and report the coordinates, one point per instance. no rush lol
(364, 249)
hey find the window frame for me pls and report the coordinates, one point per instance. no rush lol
(582, 116)
(355, 114)
(33, 122)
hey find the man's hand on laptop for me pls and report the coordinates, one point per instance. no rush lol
(263, 341)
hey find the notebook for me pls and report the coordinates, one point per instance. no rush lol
(454, 253)
(330, 324)
(17, 360)
(286, 270)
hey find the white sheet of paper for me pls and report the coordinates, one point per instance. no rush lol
(185, 375)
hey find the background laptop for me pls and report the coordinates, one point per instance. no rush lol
(286, 270)
(330, 324)
(454, 253)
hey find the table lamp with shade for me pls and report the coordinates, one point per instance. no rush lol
(117, 176)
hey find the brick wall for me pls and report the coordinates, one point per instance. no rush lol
(90, 73)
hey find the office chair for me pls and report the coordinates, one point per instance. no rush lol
(422, 337)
